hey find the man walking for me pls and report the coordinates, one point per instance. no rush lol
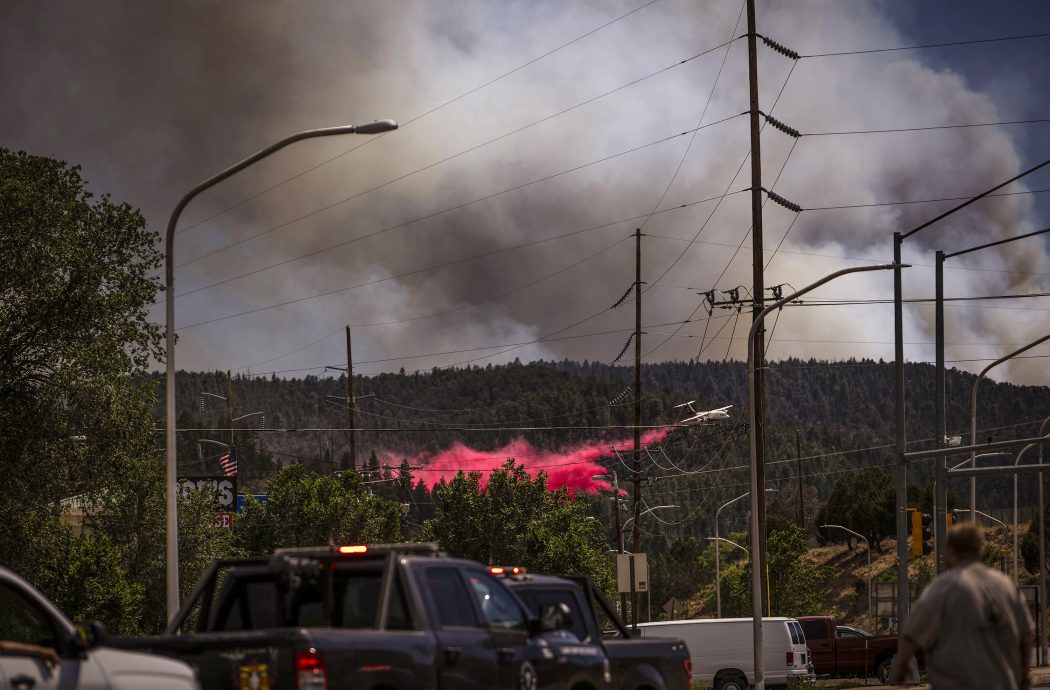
(970, 623)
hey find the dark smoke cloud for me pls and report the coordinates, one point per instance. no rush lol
(152, 97)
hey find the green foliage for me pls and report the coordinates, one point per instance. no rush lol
(84, 576)
(677, 571)
(309, 509)
(515, 520)
(795, 584)
(1030, 542)
(864, 502)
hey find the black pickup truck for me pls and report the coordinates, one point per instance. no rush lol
(637, 664)
(388, 617)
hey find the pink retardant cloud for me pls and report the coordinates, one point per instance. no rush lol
(573, 467)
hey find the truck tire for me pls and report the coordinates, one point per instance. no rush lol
(882, 669)
(731, 683)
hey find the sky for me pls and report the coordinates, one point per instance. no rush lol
(536, 137)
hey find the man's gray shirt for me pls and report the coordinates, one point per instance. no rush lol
(971, 621)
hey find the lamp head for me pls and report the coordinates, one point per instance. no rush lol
(375, 127)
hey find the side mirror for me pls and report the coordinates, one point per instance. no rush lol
(555, 617)
(90, 634)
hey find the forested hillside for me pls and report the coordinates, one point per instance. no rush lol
(838, 416)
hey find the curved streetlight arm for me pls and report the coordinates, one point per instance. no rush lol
(846, 529)
(647, 510)
(245, 416)
(756, 526)
(972, 461)
(973, 409)
(986, 515)
(172, 535)
(731, 542)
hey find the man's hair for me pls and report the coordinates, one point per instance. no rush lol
(966, 540)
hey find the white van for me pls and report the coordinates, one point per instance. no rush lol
(722, 650)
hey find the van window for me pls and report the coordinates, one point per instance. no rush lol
(796, 633)
(815, 630)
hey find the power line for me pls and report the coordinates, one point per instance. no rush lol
(929, 45)
(449, 209)
(409, 121)
(449, 158)
(926, 129)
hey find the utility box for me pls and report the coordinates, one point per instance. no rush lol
(623, 572)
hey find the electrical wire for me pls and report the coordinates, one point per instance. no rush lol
(409, 121)
(926, 129)
(928, 45)
(429, 166)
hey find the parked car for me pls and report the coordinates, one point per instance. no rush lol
(32, 626)
(395, 617)
(722, 650)
(840, 650)
(652, 664)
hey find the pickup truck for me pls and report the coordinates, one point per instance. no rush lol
(42, 650)
(839, 650)
(652, 664)
(371, 617)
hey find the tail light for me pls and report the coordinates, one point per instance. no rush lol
(687, 666)
(791, 658)
(309, 670)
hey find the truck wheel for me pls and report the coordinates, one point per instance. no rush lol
(882, 670)
(732, 683)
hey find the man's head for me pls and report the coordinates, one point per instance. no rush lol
(964, 544)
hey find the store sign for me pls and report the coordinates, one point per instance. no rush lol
(225, 489)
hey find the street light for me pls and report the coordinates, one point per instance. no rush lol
(985, 515)
(647, 510)
(718, 554)
(868, 544)
(172, 536)
(973, 413)
(1017, 461)
(757, 526)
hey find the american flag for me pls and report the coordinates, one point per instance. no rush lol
(228, 460)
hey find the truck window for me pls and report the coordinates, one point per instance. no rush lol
(21, 621)
(497, 605)
(536, 599)
(357, 601)
(450, 598)
(815, 630)
(251, 604)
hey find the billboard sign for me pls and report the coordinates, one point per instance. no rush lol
(225, 489)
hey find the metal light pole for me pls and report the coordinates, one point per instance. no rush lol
(757, 525)
(986, 515)
(1017, 461)
(868, 544)
(718, 553)
(172, 536)
(973, 410)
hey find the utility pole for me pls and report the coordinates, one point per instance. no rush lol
(636, 540)
(940, 493)
(350, 401)
(758, 540)
(900, 478)
(229, 405)
(801, 506)
(619, 535)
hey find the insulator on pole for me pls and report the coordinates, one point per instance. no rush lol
(624, 298)
(777, 124)
(624, 350)
(777, 199)
(782, 49)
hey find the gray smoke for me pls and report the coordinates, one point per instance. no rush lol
(153, 97)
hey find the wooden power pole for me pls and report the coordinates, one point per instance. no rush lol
(636, 535)
(350, 401)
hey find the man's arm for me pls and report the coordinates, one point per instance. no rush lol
(45, 654)
(900, 672)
